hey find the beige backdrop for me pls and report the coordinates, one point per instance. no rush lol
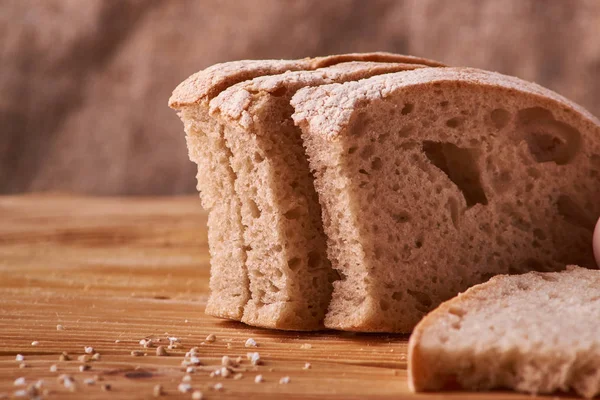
(84, 83)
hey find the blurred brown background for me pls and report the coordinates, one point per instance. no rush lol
(84, 83)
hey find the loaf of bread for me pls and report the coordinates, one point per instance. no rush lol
(536, 333)
(436, 179)
(229, 281)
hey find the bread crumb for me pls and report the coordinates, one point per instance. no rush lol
(117, 341)
(307, 366)
(84, 367)
(238, 360)
(225, 372)
(186, 321)
(64, 356)
(258, 379)
(211, 338)
(19, 381)
(161, 352)
(83, 358)
(251, 343)
(157, 391)
(96, 357)
(23, 365)
(19, 357)
(186, 378)
(306, 346)
(184, 387)
(35, 343)
(226, 361)
(88, 350)
(53, 368)
(254, 358)
(285, 380)
(20, 393)
(98, 378)
(89, 381)
(238, 376)
(106, 387)
(218, 386)
(60, 327)
(197, 395)
(229, 346)
(137, 353)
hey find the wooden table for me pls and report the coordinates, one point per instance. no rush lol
(113, 271)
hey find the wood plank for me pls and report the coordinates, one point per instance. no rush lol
(124, 269)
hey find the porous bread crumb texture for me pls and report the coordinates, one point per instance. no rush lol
(436, 186)
(229, 278)
(290, 275)
(536, 333)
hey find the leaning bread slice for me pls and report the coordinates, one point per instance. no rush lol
(206, 147)
(536, 333)
(290, 275)
(434, 180)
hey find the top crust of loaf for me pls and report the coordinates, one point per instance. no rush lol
(327, 109)
(209, 82)
(235, 102)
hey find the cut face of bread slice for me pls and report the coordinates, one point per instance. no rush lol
(290, 275)
(436, 179)
(535, 333)
(206, 146)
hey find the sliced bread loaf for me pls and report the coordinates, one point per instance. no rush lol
(536, 333)
(436, 179)
(290, 275)
(206, 146)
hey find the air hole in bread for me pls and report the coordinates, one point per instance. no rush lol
(277, 248)
(278, 273)
(516, 219)
(376, 164)
(256, 273)
(573, 213)
(280, 91)
(401, 217)
(273, 288)
(453, 206)
(548, 140)
(444, 103)
(258, 157)
(314, 259)
(294, 263)
(397, 296)
(254, 210)
(352, 149)
(363, 171)
(454, 122)
(423, 299)
(295, 213)
(459, 312)
(500, 118)
(407, 109)
(460, 166)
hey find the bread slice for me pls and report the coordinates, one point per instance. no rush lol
(290, 275)
(597, 243)
(436, 179)
(535, 333)
(206, 147)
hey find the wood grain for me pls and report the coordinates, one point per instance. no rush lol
(110, 269)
